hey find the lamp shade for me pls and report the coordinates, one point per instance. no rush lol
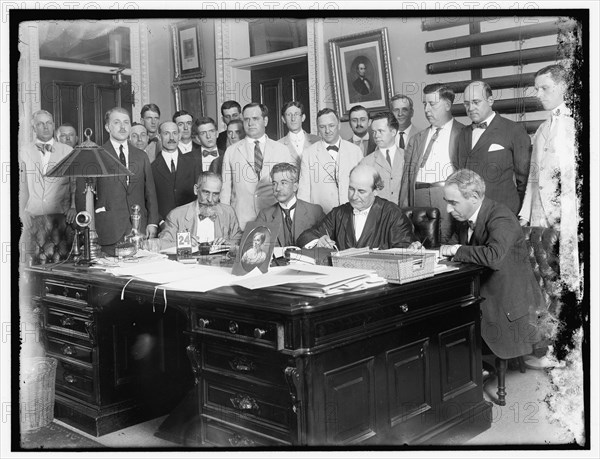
(89, 160)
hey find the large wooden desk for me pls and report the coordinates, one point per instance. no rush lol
(386, 366)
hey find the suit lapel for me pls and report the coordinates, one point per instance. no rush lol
(453, 142)
(324, 159)
(488, 133)
(121, 178)
(382, 162)
(191, 219)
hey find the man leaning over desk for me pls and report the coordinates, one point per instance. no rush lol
(365, 221)
(206, 219)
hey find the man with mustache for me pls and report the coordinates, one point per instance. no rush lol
(360, 123)
(174, 173)
(206, 219)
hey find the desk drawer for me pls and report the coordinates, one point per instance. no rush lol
(216, 433)
(266, 367)
(68, 293)
(71, 349)
(71, 323)
(267, 406)
(75, 380)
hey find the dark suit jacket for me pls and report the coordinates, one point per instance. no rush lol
(509, 287)
(174, 192)
(222, 140)
(305, 216)
(116, 197)
(503, 151)
(360, 86)
(386, 227)
(371, 145)
(413, 157)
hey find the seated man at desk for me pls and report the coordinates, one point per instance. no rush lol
(365, 221)
(206, 219)
(489, 234)
(292, 215)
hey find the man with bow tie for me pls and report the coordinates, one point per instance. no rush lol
(40, 195)
(365, 220)
(150, 118)
(498, 149)
(326, 165)
(206, 219)
(488, 234)
(209, 156)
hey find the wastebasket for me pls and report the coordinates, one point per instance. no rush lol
(36, 395)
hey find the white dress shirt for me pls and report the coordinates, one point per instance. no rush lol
(116, 146)
(438, 166)
(392, 151)
(360, 218)
(478, 132)
(298, 140)
(185, 147)
(46, 156)
(473, 218)
(288, 205)
(167, 156)
(205, 230)
(406, 135)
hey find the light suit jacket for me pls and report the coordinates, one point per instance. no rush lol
(391, 175)
(309, 139)
(318, 174)
(242, 189)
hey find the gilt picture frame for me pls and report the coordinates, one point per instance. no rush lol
(361, 71)
(187, 52)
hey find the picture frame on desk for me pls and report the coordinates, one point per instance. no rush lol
(189, 96)
(256, 248)
(187, 52)
(361, 71)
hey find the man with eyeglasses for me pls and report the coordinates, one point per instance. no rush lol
(297, 139)
(209, 156)
(206, 218)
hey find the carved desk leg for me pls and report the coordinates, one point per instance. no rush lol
(193, 353)
(292, 377)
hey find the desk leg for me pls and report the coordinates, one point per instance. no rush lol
(501, 372)
(193, 353)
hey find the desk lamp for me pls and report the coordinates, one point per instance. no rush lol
(89, 160)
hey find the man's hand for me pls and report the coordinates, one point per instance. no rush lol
(449, 250)
(70, 215)
(27, 219)
(151, 231)
(415, 245)
(326, 241)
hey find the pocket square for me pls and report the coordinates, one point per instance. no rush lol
(495, 147)
(100, 209)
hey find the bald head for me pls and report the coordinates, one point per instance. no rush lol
(365, 183)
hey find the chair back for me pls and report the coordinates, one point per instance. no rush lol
(426, 224)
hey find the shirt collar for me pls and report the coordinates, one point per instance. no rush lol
(356, 138)
(117, 144)
(297, 135)
(262, 140)
(337, 144)
(489, 119)
(364, 211)
(290, 203)
(169, 153)
(49, 142)
(473, 217)
(562, 109)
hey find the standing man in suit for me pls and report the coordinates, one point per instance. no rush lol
(67, 134)
(551, 197)
(230, 110)
(206, 219)
(174, 173)
(362, 84)
(297, 140)
(430, 156)
(388, 159)
(360, 124)
(115, 195)
(138, 136)
(498, 149)
(209, 156)
(247, 164)
(185, 122)
(150, 118)
(326, 165)
(402, 108)
(40, 195)
(292, 216)
(488, 234)
(365, 220)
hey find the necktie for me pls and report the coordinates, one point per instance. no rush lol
(173, 170)
(429, 147)
(287, 218)
(479, 125)
(122, 156)
(360, 212)
(206, 153)
(401, 143)
(44, 147)
(471, 224)
(258, 158)
(387, 156)
(333, 147)
(210, 217)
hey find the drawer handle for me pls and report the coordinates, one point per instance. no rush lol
(77, 295)
(242, 364)
(404, 308)
(203, 323)
(70, 378)
(244, 403)
(259, 333)
(233, 327)
(67, 321)
(239, 440)
(69, 350)
(66, 292)
(47, 290)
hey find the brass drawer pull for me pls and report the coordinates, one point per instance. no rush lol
(77, 295)
(203, 323)
(233, 327)
(66, 292)
(404, 308)
(47, 289)
(242, 364)
(244, 402)
(69, 350)
(259, 333)
(239, 440)
(67, 321)
(70, 378)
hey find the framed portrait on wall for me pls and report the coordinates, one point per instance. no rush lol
(361, 71)
(187, 52)
(189, 96)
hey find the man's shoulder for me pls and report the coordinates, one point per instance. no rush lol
(180, 211)
(278, 146)
(312, 138)
(308, 205)
(225, 208)
(349, 146)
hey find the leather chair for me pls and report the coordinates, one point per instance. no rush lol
(543, 256)
(49, 239)
(426, 224)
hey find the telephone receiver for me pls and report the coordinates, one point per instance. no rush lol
(83, 219)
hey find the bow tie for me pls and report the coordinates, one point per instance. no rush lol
(333, 147)
(556, 112)
(471, 224)
(210, 217)
(206, 153)
(44, 147)
(153, 139)
(479, 125)
(364, 212)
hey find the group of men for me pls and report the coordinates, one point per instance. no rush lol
(324, 190)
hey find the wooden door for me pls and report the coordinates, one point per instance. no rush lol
(82, 99)
(276, 85)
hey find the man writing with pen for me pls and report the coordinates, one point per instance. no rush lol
(365, 221)
(206, 219)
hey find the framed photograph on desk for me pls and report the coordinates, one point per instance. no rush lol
(187, 52)
(361, 70)
(256, 248)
